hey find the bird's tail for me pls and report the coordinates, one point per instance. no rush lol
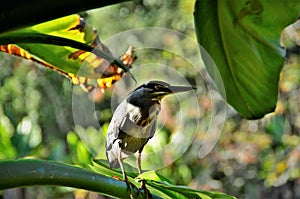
(112, 159)
(114, 164)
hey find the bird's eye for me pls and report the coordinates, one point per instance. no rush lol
(158, 87)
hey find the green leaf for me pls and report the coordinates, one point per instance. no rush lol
(101, 166)
(152, 175)
(189, 192)
(71, 47)
(243, 37)
(41, 172)
(157, 184)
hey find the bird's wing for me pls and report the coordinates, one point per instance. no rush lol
(128, 126)
(153, 128)
(118, 118)
(112, 147)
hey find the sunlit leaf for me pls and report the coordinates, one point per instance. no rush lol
(243, 39)
(71, 39)
(152, 175)
(101, 166)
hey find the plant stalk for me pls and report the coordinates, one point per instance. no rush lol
(30, 172)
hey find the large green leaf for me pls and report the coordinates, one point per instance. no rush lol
(243, 37)
(71, 47)
(56, 55)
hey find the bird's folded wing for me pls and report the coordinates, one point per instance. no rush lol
(129, 127)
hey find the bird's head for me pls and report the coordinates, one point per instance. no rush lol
(158, 89)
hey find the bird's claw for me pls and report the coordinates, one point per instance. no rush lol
(144, 189)
(129, 184)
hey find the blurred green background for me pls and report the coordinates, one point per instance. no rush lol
(252, 159)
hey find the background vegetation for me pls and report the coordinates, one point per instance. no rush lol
(252, 159)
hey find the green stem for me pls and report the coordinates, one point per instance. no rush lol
(30, 172)
(15, 38)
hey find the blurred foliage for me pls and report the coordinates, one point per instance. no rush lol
(252, 159)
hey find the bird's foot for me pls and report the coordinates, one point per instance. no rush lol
(144, 190)
(130, 185)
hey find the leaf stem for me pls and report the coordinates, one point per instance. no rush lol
(29, 172)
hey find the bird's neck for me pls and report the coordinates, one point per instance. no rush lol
(148, 108)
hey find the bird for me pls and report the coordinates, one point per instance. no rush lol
(134, 122)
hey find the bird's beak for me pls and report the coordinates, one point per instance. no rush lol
(177, 89)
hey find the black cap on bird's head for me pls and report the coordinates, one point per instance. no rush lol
(159, 89)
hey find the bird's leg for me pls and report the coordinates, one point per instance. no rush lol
(143, 185)
(138, 160)
(120, 159)
(129, 184)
